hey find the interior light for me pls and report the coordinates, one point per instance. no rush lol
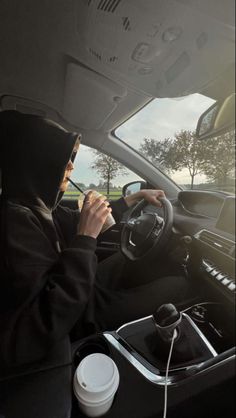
(172, 34)
(145, 70)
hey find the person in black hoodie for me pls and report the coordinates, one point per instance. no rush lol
(48, 283)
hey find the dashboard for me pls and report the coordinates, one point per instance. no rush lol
(209, 218)
(202, 202)
(226, 219)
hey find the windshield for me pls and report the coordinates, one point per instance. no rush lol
(164, 133)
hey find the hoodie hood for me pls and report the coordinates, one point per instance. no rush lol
(34, 153)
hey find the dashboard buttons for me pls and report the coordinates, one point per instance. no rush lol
(226, 281)
(220, 277)
(207, 266)
(214, 273)
(231, 286)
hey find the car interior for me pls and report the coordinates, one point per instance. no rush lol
(92, 65)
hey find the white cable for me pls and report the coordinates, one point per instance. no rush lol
(167, 371)
(170, 354)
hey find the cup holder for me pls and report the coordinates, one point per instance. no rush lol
(90, 345)
(80, 349)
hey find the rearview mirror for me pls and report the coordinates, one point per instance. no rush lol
(218, 119)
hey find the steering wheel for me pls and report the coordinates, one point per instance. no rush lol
(143, 234)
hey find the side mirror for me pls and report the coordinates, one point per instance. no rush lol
(133, 187)
(218, 119)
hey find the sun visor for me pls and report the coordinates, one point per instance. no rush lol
(89, 97)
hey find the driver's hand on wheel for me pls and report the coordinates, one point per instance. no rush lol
(93, 215)
(152, 196)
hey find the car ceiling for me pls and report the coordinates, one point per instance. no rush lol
(91, 63)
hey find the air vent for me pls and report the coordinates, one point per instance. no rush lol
(219, 243)
(113, 59)
(95, 54)
(126, 24)
(108, 5)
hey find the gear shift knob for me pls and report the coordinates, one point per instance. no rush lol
(166, 319)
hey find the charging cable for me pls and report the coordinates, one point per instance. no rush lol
(167, 371)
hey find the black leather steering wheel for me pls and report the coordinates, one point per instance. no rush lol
(143, 234)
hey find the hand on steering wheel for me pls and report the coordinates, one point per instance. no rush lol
(144, 234)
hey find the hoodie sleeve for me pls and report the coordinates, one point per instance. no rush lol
(67, 216)
(119, 207)
(44, 293)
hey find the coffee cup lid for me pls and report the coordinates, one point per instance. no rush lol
(96, 378)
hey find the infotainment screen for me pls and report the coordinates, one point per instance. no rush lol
(226, 220)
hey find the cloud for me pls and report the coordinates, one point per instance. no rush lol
(162, 118)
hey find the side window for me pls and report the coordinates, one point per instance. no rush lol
(97, 171)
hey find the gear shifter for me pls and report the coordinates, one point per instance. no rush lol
(188, 347)
(167, 320)
(151, 338)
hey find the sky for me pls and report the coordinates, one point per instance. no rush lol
(160, 119)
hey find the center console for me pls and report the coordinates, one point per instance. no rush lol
(202, 359)
(201, 373)
(202, 341)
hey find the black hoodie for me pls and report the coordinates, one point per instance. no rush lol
(47, 271)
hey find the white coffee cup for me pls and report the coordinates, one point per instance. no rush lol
(109, 220)
(96, 381)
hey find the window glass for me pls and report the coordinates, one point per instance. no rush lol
(164, 132)
(97, 171)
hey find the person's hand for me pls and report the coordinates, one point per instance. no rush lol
(93, 215)
(150, 195)
(153, 196)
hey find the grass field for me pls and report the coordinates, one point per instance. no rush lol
(74, 194)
